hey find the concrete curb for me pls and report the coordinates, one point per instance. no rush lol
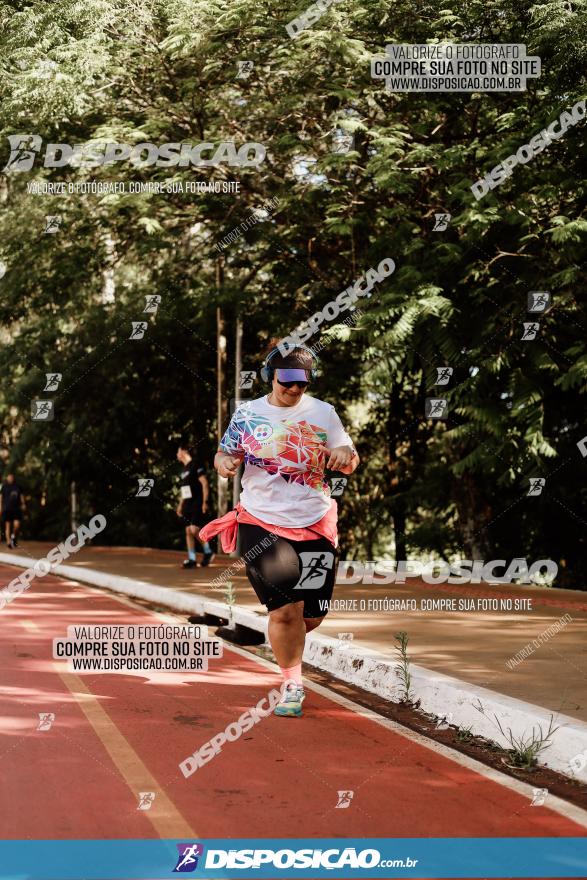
(441, 695)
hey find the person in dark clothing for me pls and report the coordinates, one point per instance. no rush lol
(12, 508)
(193, 504)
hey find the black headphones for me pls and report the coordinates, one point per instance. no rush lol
(267, 371)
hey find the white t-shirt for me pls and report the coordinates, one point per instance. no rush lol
(283, 481)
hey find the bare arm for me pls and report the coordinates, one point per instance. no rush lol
(205, 491)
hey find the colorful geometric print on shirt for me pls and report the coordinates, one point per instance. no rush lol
(288, 448)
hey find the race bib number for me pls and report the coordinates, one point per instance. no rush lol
(186, 492)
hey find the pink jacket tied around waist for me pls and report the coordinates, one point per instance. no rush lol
(226, 526)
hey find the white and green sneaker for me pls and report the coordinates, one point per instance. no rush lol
(292, 697)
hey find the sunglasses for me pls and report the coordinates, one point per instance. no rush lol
(291, 384)
(288, 378)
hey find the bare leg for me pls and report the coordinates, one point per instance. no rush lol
(287, 634)
(16, 527)
(312, 622)
(190, 537)
(7, 531)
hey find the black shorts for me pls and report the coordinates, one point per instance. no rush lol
(11, 515)
(192, 515)
(283, 571)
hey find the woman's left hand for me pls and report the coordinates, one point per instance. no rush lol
(338, 457)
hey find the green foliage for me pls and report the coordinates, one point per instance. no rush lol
(77, 72)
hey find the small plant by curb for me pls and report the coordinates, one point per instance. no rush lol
(402, 668)
(523, 749)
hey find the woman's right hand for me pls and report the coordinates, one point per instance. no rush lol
(227, 465)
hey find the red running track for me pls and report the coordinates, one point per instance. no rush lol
(117, 734)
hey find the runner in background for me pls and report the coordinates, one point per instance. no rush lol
(193, 504)
(12, 508)
(286, 519)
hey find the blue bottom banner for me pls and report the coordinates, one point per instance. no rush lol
(366, 858)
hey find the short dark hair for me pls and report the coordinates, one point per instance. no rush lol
(297, 359)
(187, 445)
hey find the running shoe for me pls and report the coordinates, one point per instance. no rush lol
(207, 559)
(291, 701)
(14, 541)
(189, 563)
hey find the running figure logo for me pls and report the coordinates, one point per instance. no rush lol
(245, 69)
(46, 720)
(443, 375)
(344, 800)
(441, 222)
(152, 303)
(337, 486)
(539, 300)
(187, 859)
(536, 485)
(315, 567)
(146, 799)
(23, 151)
(139, 328)
(436, 408)
(247, 378)
(42, 410)
(538, 796)
(52, 381)
(52, 223)
(530, 330)
(342, 142)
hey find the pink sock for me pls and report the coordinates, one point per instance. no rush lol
(294, 673)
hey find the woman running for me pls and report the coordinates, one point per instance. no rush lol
(286, 517)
